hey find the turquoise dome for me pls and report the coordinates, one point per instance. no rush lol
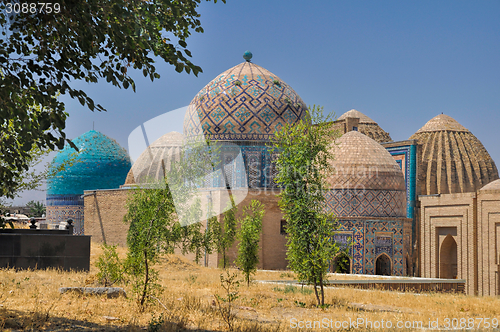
(100, 163)
(244, 103)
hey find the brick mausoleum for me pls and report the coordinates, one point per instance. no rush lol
(428, 206)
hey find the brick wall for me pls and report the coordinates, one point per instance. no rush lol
(488, 239)
(105, 209)
(453, 215)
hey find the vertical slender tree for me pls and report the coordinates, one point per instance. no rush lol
(249, 237)
(225, 234)
(304, 159)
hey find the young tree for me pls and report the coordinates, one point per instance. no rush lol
(304, 159)
(37, 209)
(225, 234)
(249, 237)
(47, 47)
(163, 216)
(153, 230)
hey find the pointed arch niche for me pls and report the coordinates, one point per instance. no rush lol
(448, 258)
(383, 265)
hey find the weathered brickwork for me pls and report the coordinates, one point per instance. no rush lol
(488, 239)
(472, 220)
(448, 238)
(365, 125)
(105, 210)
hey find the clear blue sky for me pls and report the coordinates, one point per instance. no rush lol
(399, 62)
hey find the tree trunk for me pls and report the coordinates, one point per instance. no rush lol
(316, 291)
(322, 290)
(224, 258)
(146, 280)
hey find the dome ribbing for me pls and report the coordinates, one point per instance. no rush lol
(156, 159)
(453, 159)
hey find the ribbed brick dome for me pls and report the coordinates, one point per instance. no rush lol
(362, 163)
(453, 159)
(156, 159)
(368, 126)
(366, 182)
(246, 102)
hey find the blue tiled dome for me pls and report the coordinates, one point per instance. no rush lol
(246, 102)
(101, 163)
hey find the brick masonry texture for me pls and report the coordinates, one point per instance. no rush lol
(472, 220)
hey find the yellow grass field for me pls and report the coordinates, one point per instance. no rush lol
(30, 300)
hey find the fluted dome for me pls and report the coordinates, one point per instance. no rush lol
(367, 126)
(453, 159)
(156, 159)
(100, 163)
(366, 180)
(246, 102)
(362, 163)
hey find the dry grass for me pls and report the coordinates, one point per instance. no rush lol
(30, 300)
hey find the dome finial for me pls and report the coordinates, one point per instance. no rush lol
(247, 56)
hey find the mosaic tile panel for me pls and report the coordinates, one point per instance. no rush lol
(405, 156)
(368, 203)
(372, 238)
(61, 213)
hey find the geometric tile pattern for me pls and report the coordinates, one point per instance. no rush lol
(372, 238)
(246, 102)
(62, 213)
(366, 203)
(405, 157)
(258, 167)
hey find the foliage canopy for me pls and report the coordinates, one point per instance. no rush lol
(43, 54)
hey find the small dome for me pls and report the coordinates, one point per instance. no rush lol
(367, 126)
(453, 159)
(442, 122)
(152, 163)
(361, 163)
(492, 186)
(246, 102)
(357, 114)
(100, 163)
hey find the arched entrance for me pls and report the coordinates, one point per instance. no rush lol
(383, 265)
(448, 258)
(341, 264)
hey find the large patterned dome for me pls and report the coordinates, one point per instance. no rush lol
(100, 163)
(246, 102)
(453, 159)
